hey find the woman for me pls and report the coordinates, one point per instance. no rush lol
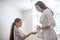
(16, 33)
(47, 21)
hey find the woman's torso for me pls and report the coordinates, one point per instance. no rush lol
(48, 34)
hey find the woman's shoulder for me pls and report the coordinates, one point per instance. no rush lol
(47, 11)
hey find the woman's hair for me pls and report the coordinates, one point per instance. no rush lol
(12, 29)
(42, 6)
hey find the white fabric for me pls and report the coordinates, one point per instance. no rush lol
(47, 19)
(16, 33)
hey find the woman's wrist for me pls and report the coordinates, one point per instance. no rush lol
(46, 27)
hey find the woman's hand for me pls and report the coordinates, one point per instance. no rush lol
(46, 27)
(43, 28)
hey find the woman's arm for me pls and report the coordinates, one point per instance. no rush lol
(43, 28)
(50, 19)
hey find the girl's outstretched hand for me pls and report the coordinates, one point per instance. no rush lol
(38, 27)
(33, 32)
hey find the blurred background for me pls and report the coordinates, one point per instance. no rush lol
(25, 9)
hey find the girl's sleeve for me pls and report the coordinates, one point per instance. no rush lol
(19, 32)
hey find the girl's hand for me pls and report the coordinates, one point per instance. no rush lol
(38, 27)
(33, 32)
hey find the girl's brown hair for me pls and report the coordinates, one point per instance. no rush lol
(12, 28)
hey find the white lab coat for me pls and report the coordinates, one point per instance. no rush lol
(47, 19)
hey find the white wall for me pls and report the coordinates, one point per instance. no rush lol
(7, 15)
(28, 19)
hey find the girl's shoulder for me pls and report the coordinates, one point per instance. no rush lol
(18, 30)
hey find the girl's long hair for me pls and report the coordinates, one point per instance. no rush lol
(12, 28)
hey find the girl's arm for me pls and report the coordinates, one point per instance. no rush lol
(25, 36)
(29, 34)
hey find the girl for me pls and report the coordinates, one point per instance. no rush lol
(47, 21)
(16, 33)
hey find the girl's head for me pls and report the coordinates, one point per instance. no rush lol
(18, 23)
(40, 6)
